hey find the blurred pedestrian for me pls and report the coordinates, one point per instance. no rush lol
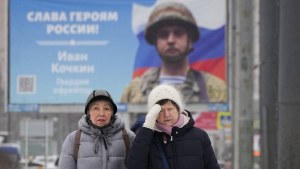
(100, 142)
(168, 138)
(138, 124)
(172, 30)
(9, 156)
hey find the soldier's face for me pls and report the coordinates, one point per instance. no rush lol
(172, 43)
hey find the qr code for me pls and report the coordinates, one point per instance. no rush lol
(26, 84)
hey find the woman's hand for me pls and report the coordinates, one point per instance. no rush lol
(151, 117)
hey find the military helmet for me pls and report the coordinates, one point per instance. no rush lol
(171, 13)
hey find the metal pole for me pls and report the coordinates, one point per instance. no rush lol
(26, 142)
(46, 143)
(269, 51)
(4, 125)
(240, 55)
(289, 86)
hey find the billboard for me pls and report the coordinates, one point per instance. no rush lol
(60, 50)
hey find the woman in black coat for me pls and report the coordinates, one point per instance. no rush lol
(168, 138)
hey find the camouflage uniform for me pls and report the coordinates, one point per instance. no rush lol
(198, 87)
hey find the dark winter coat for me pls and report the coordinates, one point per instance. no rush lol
(188, 147)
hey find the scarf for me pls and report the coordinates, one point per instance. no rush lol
(168, 129)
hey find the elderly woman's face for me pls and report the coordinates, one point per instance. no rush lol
(100, 112)
(169, 114)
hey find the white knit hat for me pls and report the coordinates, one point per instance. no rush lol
(164, 91)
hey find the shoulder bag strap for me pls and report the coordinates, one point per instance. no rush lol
(76, 144)
(203, 92)
(162, 153)
(126, 140)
